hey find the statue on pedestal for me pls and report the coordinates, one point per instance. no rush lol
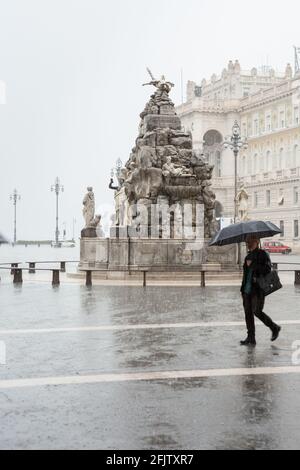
(88, 207)
(91, 221)
(242, 199)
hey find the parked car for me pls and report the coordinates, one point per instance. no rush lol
(277, 247)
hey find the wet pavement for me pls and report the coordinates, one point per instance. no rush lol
(155, 368)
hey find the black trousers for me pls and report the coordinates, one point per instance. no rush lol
(253, 306)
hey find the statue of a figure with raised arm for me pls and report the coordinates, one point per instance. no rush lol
(162, 84)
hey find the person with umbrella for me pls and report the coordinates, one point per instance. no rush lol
(257, 264)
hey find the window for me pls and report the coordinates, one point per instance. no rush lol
(255, 164)
(255, 199)
(256, 127)
(296, 116)
(218, 165)
(249, 165)
(244, 166)
(268, 123)
(282, 228)
(280, 159)
(268, 198)
(296, 228)
(268, 161)
(282, 119)
(244, 127)
(296, 195)
(296, 158)
(261, 163)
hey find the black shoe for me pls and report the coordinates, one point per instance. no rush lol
(275, 332)
(248, 342)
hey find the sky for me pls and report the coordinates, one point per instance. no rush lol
(73, 71)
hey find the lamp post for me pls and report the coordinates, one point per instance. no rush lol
(235, 142)
(115, 172)
(15, 197)
(57, 188)
(74, 223)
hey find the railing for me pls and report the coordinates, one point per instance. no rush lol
(17, 272)
(296, 272)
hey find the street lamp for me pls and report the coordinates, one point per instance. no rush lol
(115, 172)
(74, 223)
(57, 188)
(15, 197)
(235, 142)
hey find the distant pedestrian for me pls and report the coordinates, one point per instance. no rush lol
(257, 263)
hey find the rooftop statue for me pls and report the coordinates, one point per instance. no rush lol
(162, 85)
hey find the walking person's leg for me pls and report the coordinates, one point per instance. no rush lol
(250, 322)
(258, 302)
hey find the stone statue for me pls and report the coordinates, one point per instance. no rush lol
(92, 229)
(162, 163)
(162, 85)
(170, 169)
(243, 206)
(96, 221)
(89, 207)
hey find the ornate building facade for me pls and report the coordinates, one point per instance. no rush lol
(267, 106)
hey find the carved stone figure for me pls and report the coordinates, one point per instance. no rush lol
(162, 85)
(170, 169)
(91, 230)
(89, 207)
(243, 204)
(162, 164)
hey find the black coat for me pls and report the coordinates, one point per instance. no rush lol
(261, 265)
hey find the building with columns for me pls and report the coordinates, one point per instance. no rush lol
(266, 105)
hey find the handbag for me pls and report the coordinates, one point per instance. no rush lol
(269, 283)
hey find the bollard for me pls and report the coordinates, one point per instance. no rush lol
(31, 268)
(203, 284)
(63, 267)
(18, 276)
(88, 278)
(13, 265)
(55, 277)
(297, 278)
(144, 278)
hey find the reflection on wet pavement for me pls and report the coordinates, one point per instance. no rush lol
(238, 411)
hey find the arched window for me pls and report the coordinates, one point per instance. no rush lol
(218, 164)
(219, 210)
(296, 156)
(249, 165)
(213, 147)
(268, 161)
(281, 163)
(244, 166)
(255, 169)
(212, 137)
(261, 163)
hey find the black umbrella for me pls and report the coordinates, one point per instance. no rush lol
(238, 233)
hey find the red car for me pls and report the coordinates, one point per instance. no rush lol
(277, 247)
